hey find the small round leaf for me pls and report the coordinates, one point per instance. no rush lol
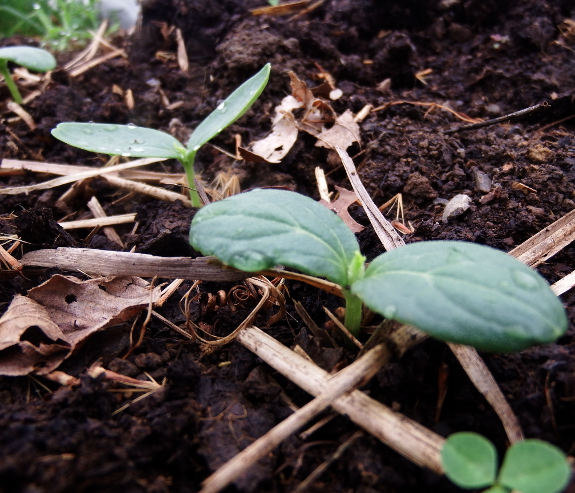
(116, 140)
(464, 293)
(32, 58)
(261, 229)
(534, 466)
(469, 460)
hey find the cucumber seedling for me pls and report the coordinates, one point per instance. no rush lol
(455, 291)
(530, 466)
(32, 58)
(131, 140)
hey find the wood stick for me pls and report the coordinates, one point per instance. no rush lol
(347, 379)
(99, 221)
(412, 440)
(107, 263)
(98, 211)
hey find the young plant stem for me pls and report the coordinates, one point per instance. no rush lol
(188, 164)
(10, 82)
(353, 313)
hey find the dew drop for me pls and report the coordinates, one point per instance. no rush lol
(220, 129)
(389, 311)
(222, 107)
(525, 280)
(126, 154)
(91, 122)
(196, 148)
(87, 131)
(110, 128)
(131, 126)
(251, 261)
(138, 149)
(252, 92)
(36, 6)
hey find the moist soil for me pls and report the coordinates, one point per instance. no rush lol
(483, 58)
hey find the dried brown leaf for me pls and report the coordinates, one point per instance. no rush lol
(341, 205)
(39, 331)
(343, 134)
(283, 135)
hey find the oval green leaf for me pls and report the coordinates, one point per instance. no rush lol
(261, 229)
(32, 58)
(124, 140)
(464, 293)
(534, 466)
(230, 110)
(469, 460)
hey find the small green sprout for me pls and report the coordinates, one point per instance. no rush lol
(35, 59)
(529, 466)
(131, 140)
(455, 291)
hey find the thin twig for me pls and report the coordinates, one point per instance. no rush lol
(511, 116)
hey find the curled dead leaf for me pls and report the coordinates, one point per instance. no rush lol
(40, 331)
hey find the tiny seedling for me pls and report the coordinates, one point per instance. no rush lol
(59, 24)
(455, 291)
(131, 140)
(35, 59)
(530, 466)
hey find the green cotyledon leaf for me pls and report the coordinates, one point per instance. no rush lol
(229, 110)
(464, 293)
(32, 58)
(261, 229)
(534, 466)
(469, 460)
(116, 140)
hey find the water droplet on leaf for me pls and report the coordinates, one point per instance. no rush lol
(251, 261)
(220, 129)
(525, 280)
(389, 311)
(126, 154)
(131, 126)
(222, 107)
(196, 148)
(110, 128)
(87, 131)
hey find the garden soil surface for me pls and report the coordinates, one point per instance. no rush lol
(482, 58)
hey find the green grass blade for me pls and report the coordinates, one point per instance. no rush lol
(230, 110)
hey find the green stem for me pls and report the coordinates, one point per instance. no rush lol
(10, 82)
(353, 312)
(188, 164)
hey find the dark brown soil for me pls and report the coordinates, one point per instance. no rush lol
(488, 58)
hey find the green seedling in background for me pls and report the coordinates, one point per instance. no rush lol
(35, 59)
(454, 291)
(529, 466)
(130, 140)
(60, 24)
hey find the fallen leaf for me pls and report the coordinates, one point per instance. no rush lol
(343, 134)
(340, 207)
(283, 135)
(300, 91)
(40, 331)
(29, 339)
